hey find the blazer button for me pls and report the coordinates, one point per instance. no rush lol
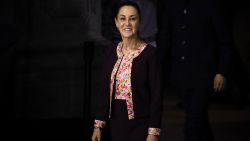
(185, 11)
(183, 27)
(183, 42)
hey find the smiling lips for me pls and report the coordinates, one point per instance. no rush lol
(128, 29)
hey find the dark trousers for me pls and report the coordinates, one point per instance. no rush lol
(195, 102)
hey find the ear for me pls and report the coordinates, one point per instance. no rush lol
(116, 23)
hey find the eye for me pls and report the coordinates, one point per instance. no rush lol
(133, 18)
(122, 19)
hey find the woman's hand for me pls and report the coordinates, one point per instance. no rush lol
(219, 82)
(96, 134)
(152, 138)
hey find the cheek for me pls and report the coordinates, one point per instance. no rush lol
(118, 27)
(136, 27)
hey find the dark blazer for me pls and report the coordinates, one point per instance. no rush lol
(195, 41)
(145, 81)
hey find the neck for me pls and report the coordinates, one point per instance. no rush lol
(130, 43)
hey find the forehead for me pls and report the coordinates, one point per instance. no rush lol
(128, 10)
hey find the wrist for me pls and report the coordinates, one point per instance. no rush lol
(99, 124)
(154, 131)
(153, 135)
(97, 129)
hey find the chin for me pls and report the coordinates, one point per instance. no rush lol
(128, 35)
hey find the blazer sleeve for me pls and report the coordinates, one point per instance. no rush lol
(155, 91)
(223, 37)
(103, 104)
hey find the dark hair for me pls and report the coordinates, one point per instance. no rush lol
(127, 3)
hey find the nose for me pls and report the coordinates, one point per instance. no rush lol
(127, 22)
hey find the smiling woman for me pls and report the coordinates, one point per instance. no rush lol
(131, 97)
(127, 22)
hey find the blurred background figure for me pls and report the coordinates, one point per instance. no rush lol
(195, 40)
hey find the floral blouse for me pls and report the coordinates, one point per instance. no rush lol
(122, 72)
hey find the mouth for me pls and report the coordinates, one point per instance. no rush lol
(128, 29)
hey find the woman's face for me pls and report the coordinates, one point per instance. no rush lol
(127, 22)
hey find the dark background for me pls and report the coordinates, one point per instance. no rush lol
(51, 55)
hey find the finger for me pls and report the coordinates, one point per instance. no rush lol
(99, 138)
(95, 137)
(215, 85)
(221, 85)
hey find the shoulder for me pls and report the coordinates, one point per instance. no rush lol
(110, 49)
(150, 50)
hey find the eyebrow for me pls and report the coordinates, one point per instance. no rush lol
(129, 16)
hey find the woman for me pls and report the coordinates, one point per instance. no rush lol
(131, 97)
